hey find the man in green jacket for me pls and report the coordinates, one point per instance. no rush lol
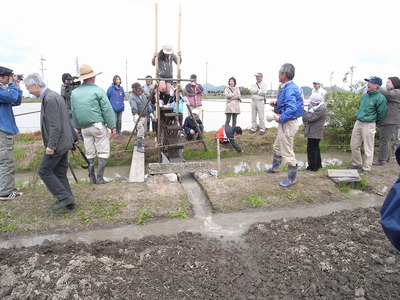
(372, 112)
(93, 117)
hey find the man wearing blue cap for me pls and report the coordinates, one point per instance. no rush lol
(10, 95)
(372, 112)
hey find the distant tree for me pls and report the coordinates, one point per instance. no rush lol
(244, 91)
(342, 106)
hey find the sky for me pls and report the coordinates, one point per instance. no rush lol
(218, 39)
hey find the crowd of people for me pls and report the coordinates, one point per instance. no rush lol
(85, 111)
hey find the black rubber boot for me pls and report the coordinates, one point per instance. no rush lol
(100, 171)
(92, 176)
(119, 125)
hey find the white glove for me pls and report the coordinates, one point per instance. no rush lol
(135, 117)
(152, 116)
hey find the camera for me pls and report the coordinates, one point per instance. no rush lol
(20, 77)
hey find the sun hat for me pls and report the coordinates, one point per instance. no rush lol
(315, 98)
(136, 85)
(195, 111)
(375, 80)
(5, 71)
(86, 72)
(167, 49)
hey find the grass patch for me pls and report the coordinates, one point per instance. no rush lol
(144, 217)
(180, 213)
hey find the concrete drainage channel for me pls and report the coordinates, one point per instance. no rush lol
(196, 196)
(227, 226)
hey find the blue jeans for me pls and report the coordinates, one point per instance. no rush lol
(53, 172)
(7, 163)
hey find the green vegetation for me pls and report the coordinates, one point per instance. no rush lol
(144, 217)
(180, 213)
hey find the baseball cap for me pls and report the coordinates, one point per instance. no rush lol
(259, 74)
(375, 79)
(316, 82)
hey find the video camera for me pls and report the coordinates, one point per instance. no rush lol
(19, 76)
(71, 84)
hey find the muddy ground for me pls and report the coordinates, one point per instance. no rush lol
(344, 255)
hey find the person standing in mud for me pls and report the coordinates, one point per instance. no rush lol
(372, 112)
(232, 95)
(289, 107)
(93, 117)
(10, 95)
(58, 137)
(314, 120)
(165, 69)
(116, 95)
(389, 127)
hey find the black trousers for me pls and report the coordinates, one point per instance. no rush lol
(53, 172)
(313, 155)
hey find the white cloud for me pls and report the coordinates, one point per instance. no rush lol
(235, 38)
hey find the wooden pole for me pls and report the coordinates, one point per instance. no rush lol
(158, 85)
(218, 156)
(72, 172)
(178, 75)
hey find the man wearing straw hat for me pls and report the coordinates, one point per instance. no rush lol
(93, 116)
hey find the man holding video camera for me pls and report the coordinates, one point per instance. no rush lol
(10, 95)
(66, 89)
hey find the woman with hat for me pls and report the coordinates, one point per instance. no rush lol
(314, 121)
(165, 69)
(389, 125)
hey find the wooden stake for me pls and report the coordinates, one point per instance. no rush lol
(158, 85)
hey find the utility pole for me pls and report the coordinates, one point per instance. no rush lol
(351, 74)
(77, 66)
(126, 75)
(41, 63)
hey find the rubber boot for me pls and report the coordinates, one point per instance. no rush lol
(119, 125)
(92, 176)
(276, 162)
(292, 174)
(139, 145)
(100, 171)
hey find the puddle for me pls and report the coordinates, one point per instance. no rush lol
(228, 226)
